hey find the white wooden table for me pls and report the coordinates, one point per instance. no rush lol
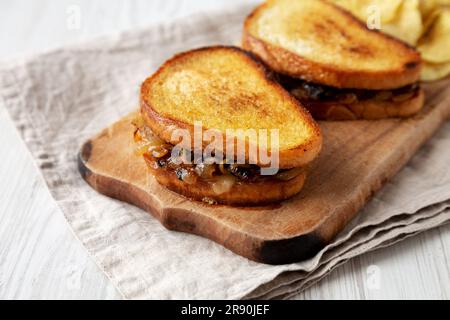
(39, 256)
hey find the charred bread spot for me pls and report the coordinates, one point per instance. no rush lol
(412, 65)
(320, 28)
(344, 34)
(360, 50)
(333, 25)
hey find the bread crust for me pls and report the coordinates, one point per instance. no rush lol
(286, 62)
(164, 127)
(367, 109)
(242, 193)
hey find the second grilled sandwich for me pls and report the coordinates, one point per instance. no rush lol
(332, 62)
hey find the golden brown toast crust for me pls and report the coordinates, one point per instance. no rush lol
(286, 62)
(241, 193)
(367, 109)
(164, 126)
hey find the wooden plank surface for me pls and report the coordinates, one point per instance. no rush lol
(40, 258)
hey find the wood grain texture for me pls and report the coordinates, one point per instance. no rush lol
(42, 267)
(357, 159)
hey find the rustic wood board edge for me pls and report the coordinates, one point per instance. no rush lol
(256, 249)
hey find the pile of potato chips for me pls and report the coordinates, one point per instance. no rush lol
(424, 24)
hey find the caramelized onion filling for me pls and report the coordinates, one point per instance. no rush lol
(222, 176)
(313, 92)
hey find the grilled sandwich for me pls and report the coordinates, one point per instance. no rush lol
(223, 89)
(332, 62)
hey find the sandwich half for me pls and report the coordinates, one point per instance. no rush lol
(332, 62)
(222, 90)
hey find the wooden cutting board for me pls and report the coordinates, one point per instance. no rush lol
(357, 159)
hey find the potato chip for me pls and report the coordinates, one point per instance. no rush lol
(435, 44)
(430, 19)
(431, 72)
(361, 8)
(428, 6)
(407, 25)
(421, 23)
(399, 18)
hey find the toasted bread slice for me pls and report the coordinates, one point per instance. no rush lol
(241, 193)
(226, 88)
(319, 42)
(368, 109)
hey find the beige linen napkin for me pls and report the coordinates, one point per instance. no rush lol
(61, 98)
